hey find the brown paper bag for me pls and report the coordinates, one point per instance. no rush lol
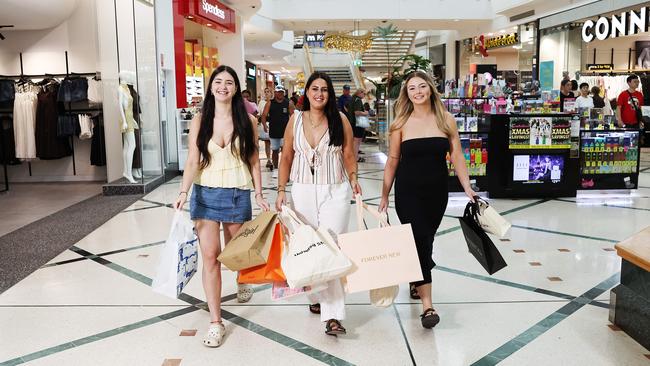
(251, 244)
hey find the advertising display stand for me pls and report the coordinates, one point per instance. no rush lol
(609, 156)
(473, 129)
(533, 155)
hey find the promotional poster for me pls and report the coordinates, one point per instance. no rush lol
(538, 168)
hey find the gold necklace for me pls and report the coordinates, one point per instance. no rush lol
(312, 122)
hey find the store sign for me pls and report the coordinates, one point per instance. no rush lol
(600, 67)
(502, 41)
(207, 9)
(316, 40)
(625, 24)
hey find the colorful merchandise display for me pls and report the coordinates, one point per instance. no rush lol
(475, 150)
(609, 153)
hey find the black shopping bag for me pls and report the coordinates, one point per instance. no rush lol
(478, 242)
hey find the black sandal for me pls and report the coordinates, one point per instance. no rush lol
(414, 292)
(314, 308)
(429, 318)
(334, 328)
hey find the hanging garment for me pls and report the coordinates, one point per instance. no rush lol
(7, 144)
(7, 90)
(137, 154)
(85, 127)
(95, 91)
(48, 144)
(97, 146)
(73, 89)
(25, 103)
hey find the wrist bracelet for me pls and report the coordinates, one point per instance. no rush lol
(259, 194)
(182, 192)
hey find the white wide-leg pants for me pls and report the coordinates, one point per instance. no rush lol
(326, 206)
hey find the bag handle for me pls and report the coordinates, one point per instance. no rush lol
(362, 208)
(291, 214)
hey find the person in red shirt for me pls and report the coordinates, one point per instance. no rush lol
(629, 102)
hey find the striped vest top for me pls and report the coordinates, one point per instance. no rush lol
(320, 165)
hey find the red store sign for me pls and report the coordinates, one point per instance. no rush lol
(210, 13)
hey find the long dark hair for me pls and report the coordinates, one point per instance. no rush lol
(334, 121)
(242, 127)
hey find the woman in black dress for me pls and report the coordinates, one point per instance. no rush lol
(420, 137)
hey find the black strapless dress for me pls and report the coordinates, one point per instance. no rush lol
(421, 193)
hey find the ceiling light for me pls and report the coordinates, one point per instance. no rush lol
(190, 17)
(209, 24)
(490, 34)
(502, 31)
(408, 20)
(224, 31)
(456, 20)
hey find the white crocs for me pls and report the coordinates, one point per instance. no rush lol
(215, 334)
(244, 293)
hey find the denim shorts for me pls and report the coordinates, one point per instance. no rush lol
(231, 205)
(276, 144)
(73, 89)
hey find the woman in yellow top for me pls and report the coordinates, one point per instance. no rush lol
(223, 163)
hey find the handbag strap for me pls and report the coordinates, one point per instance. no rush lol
(362, 208)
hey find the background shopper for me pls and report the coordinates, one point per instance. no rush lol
(584, 100)
(629, 103)
(223, 163)
(277, 112)
(599, 102)
(319, 157)
(356, 109)
(420, 137)
(263, 129)
(565, 92)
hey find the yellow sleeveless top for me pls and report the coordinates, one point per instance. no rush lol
(225, 170)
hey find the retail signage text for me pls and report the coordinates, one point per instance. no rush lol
(625, 24)
(213, 9)
(600, 67)
(502, 41)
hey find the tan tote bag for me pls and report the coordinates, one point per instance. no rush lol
(381, 257)
(251, 244)
(490, 220)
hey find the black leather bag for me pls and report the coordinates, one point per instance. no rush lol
(478, 242)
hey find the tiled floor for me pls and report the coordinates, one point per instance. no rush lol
(30, 202)
(100, 310)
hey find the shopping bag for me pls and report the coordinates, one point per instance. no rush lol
(178, 259)
(384, 297)
(363, 121)
(381, 257)
(251, 244)
(478, 242)
(271, 271)
(282, 291)
(490, 220)
(311, 256)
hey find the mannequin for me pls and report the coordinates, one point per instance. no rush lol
(128, 124)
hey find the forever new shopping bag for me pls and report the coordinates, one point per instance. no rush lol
(251, 244)
(178, 259)
(310, 256)
(381, 257)
(478, 242)
(490, 220)
(271, 271)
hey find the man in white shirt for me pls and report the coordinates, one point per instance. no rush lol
(584, 100)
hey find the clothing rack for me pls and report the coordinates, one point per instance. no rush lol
(67, 106)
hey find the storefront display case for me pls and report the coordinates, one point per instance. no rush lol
(473, 130)
(532, 155)
(184, 119)
(609, 156)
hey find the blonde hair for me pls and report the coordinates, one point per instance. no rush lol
(404, 106)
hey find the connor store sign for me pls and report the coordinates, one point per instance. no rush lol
(625, 24)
